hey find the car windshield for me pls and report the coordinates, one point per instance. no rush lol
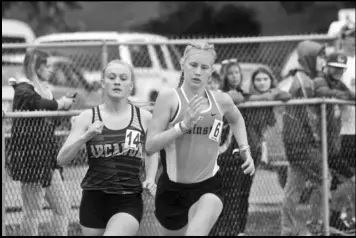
(87, 58)
(140, 56)
(12, 55)
(175, 56)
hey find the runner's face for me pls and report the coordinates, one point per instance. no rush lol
(117, 82)
(198, 68)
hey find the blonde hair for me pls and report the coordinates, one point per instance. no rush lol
(200, 46)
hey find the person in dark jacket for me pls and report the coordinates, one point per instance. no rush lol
(262, 88)
(263, 85)
(33, 147)
(301, 137)
(330, 85)
(348, 131)
(258, 120)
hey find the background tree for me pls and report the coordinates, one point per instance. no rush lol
(44, 17)
(202, 19)
(185, 19)
(297, 7)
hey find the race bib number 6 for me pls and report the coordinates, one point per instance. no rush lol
(132, 139)
(216, 130)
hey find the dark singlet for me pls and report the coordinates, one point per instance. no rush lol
(115, 157)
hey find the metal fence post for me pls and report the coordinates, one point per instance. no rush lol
(3, 233)
(104, 55)
(324, 146)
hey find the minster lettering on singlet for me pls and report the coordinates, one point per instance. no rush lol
(198, 130)
(108, 150)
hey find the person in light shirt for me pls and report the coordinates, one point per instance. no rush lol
(345, 43)
(347, 153)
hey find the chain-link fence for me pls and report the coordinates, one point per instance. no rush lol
(252, 202)
(78, 67)
(78, 63)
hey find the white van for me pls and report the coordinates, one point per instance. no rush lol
(13, 31)
(155, 66)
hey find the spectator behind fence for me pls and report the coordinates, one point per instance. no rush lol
(256, 123)
(214, 82)
(348, 131)
(231, 76)
(330, 85)
(262, 88)
(301, 139)
(33, 147)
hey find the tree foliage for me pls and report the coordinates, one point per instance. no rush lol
(297, 7)
(202, 18)
(43, 17)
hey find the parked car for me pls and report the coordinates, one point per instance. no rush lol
(155, 66)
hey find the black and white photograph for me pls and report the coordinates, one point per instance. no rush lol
(182, 118)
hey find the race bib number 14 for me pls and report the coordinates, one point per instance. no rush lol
(132, 139)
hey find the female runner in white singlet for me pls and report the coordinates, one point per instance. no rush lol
(186, 125)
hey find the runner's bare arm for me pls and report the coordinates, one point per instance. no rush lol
(151, 161)
(233, 116)
(76, 138)
(158, 137)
